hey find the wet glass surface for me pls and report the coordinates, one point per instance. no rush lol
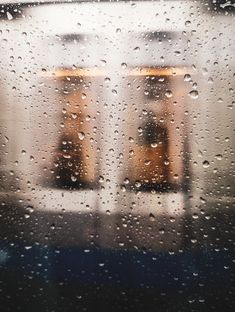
(117, 156)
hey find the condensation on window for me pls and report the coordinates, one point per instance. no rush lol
(117, 156)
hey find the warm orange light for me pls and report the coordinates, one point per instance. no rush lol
(95, 72)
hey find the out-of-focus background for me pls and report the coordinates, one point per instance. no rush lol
(117, 156)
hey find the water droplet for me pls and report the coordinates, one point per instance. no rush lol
(195, 216)
(137, 184)
(27, 247)
(123, 188)
(219, 156)
(9, 16)
(193, 94)
(101, 179)
(6, 139)
(74, 115)
(81, 135)
(168, 94)
(187, 77)
(83, 96)
(147, 162)
(73, 178)
(151, 217)
(30, 209)
(205, 164)
(103, 62)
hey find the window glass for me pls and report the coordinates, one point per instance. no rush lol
(117, 155)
